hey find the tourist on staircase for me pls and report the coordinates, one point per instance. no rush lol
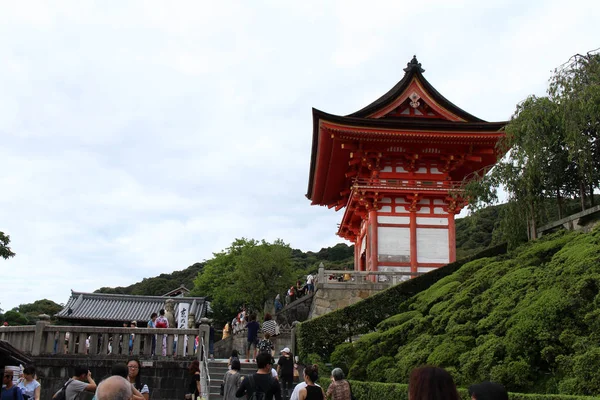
(194, 388)
(285, 370)
(253, 327)
(265, 345)
(277, 304)
(232, 380)
(312, 391)
(261, 383)
(270, 325)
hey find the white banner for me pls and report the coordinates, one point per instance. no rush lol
(182, 315)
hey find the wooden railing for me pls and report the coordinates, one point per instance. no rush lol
(420, 184)
(46, 339)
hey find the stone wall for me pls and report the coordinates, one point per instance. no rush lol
(332, 296)
(298, 310)
(166, 379)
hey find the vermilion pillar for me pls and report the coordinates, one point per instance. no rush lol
(373, 239)
(451, 238)
(413, 241)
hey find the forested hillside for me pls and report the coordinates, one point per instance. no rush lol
(529, 320)
(336, 257)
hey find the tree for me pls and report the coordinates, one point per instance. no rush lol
(552, 148)
(575, 88)
(246, 273)
(5, 251)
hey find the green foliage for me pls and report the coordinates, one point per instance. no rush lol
(247, 273)
(528, 319)
(552, 147)
(5, 251)
(321, 335)
(397, 391)
(27, 314)
(159, 285)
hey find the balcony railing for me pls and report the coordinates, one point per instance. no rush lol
(409, 184)
(45, 339)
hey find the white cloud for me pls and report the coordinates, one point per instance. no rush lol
(139, 139)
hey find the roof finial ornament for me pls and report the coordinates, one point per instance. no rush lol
(414, 64)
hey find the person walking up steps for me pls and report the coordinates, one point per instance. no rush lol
(285, 370)
(260, 384)
(253, 328)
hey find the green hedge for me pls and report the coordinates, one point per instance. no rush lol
(321, 335)
(399, 391)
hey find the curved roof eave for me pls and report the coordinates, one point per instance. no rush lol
(401, 86)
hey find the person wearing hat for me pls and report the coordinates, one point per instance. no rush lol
(285, 370)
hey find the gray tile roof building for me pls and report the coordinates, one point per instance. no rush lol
(88, 307)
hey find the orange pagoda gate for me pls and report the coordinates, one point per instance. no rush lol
(397, 167)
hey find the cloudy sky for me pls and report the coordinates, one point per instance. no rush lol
(137, 138)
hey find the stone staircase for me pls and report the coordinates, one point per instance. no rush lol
(217, 369)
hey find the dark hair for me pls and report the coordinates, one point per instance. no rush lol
(194, 367)
(234, 353)
(262, 360)
(267, 335)
(236, 365)
(153, 315)
(138, 378)
(162, 312)
(120, 369)
(252, 317)
(268, 317)
(79, 370)
(29, 370)
(431, 383)
(488, 391)
(312, 371)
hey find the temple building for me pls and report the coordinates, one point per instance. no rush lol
(397, 167)
(101, 309)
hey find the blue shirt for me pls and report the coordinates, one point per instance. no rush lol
(14, 393)
(253, 328)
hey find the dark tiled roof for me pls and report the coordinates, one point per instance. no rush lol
(121, 307)
(414, 70)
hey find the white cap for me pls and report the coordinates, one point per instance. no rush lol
(285, 350)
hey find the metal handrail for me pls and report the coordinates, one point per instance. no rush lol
(205, 376)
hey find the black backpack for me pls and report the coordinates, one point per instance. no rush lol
(258, 394)
(62, 393)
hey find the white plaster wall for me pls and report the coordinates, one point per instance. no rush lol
(393, 244)
(432, 221)
(388, 219)
(432, 245)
